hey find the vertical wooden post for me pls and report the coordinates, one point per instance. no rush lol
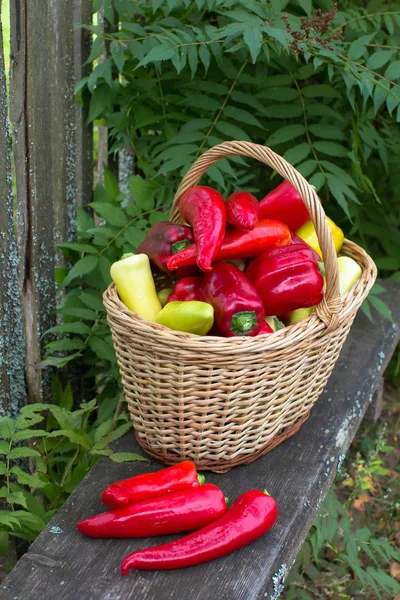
(12, 347)
(46, 152)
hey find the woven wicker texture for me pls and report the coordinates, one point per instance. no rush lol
(222, 402)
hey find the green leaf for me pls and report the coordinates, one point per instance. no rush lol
(231, 131)
(102, 349)
(381, 307)
(4, 540)
(14, 498)
(74, 327)
(327, 131)
(4, 446)
(22, 453)
(82, 313)
(242, 116)
(100, 101)
(285, 134)
(143, 192)
(306, 5)
(3, 468)
(66, 345)
(289, 111)
(74, 437)
(307, 168)
(204, 55)
(120, 457)
(7, 427)
(330, 148)
(253, 39)
(92, 301)
(27, 434)
(84, 266)
(105, 265)
(282, 94)
(118, 56)
(380, 58)
(297, 153)
(317, 180)
(110, 185)
(320, 91)
(112, 214)
(337, 192)
(393, 70)
(159, 53)
(30, 520)
(193, 59)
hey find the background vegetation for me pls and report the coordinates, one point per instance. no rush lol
(172, 78)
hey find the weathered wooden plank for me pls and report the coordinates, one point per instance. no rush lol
(44, 142)
(297, 473)
(12, 345)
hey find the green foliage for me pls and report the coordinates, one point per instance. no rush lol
(355, 559)
(60, 454)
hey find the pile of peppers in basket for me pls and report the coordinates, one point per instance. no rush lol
(176, 500)
(237, 267)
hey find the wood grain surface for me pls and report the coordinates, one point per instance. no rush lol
(65, 565)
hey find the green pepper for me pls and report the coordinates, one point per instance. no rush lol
(191, 317)
(163, 295)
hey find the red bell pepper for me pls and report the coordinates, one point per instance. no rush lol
(250, 517)
(238, 308)
(284, 204)
(239, 244)
(242, 210)
(265, 328)
(287, 278)
(185, 289)
(165, 239)
(148, 485)
(171, 513)
(204, 209)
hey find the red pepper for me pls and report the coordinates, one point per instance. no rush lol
(239, 244)
(171, 513)
(163, 240)
(250, 517)
(148, 485)
(204, 209)
(265, 328)
(287, 278)
(242, 210)
(238, 308)
(185, 289)
(284, 204)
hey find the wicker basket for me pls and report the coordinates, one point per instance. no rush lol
(223, 402)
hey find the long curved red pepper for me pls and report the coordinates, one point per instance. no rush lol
(204, 209)
(239, 244)
(284, 204)
(148, 485)
(172, 513)
(251, 515)
(242, 210)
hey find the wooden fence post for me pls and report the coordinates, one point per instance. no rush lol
(12, 347)
(51, 160)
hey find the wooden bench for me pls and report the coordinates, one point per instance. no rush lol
(63, 564)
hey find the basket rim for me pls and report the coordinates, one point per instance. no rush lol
(283, 338)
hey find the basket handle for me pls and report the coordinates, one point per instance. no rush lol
(329, 307)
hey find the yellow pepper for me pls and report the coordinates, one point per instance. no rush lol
(190, 316)
(349, 273)
(163, 295)
(135, 285)
(308, 234)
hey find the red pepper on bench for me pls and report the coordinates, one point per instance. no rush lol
(250, 517)
(148, 485)
(172, 513)
(238, 308)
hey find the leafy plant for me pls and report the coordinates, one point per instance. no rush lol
(39, 468)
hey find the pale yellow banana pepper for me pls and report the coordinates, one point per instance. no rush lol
(349, 273)
(190, 316)
(308, 234)
(135, 285)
